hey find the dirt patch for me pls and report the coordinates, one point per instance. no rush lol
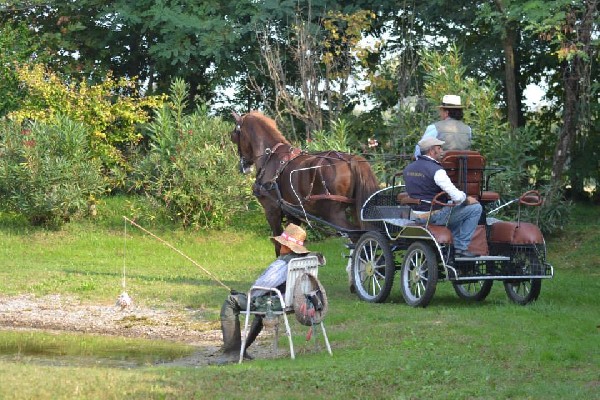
(68, 314)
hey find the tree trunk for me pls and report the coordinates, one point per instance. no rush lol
(573, 76)
(512, 104)
(569, 128)
(510, 35)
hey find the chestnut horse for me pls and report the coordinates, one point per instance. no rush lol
(324, 185)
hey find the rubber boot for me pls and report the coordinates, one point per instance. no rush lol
(232, 341)
(255, 329)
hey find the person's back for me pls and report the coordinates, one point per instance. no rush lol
(450, 129)
(456, 134)
(420, 182)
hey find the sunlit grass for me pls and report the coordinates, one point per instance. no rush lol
(450, 350)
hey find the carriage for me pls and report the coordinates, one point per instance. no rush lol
(321, 187)
(513, 252)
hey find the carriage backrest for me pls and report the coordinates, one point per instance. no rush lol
(466, 170)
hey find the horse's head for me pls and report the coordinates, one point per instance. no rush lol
(256, 137)
(244, 145)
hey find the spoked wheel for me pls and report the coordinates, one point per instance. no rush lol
(524, 291)
(419, 274)
(473, 290)
(373, 267)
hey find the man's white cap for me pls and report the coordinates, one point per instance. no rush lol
(451, 101)
(429, 142)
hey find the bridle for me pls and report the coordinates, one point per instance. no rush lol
(243, 163)
(268, 153)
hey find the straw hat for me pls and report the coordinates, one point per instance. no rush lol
(429, 142)
(293, 237)
(451, 101)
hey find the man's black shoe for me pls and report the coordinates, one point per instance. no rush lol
(465, 253)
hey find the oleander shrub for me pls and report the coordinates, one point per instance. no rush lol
(47, 173)
(190, 170)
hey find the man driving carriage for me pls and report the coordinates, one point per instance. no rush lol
(424, 179)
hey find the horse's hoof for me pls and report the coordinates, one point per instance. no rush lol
(352, 289)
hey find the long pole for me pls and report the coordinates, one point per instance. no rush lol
(178, 252)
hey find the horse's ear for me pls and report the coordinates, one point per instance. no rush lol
(237, 117)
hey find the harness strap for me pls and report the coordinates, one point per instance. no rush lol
(286, 158)
(334, 197)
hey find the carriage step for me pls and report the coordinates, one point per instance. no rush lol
(483, 258)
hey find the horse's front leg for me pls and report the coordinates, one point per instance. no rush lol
(274, 217)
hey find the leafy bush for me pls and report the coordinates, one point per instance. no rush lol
(18, 45)
(46, 170)
(337, 139)
(191, 166)
(112, 109)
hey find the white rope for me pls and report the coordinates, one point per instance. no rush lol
(123, 283)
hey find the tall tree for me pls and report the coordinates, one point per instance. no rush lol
(510, 36)
(154, 40)
(571, 30)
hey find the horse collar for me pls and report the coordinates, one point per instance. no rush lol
(269, 151)
(284, 159)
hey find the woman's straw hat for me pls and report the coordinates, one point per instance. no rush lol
(293, 237)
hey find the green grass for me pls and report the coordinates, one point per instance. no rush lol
(449, 350)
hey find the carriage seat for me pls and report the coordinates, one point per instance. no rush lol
(465, 168)
(441, 233)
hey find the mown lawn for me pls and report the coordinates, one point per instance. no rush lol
(449, 350)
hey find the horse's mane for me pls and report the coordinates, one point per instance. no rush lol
(268, 124)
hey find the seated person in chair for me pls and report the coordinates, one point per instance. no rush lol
(450, 128)
(425, 178)
(292, 245)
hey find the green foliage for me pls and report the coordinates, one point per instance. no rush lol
(555, 213)
(46, 170)
(190, 168)
(112, 109)
(17, 45)
(337, 139)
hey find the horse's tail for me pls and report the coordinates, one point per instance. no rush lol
(365, 185)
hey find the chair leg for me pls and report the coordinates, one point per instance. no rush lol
(288, 332)
(244, 335)
(326, 339)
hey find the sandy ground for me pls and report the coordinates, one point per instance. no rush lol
(64, 313)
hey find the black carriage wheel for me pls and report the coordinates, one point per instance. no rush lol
(419, 274)
(473, 290)
(373, 267)
(524, 291)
